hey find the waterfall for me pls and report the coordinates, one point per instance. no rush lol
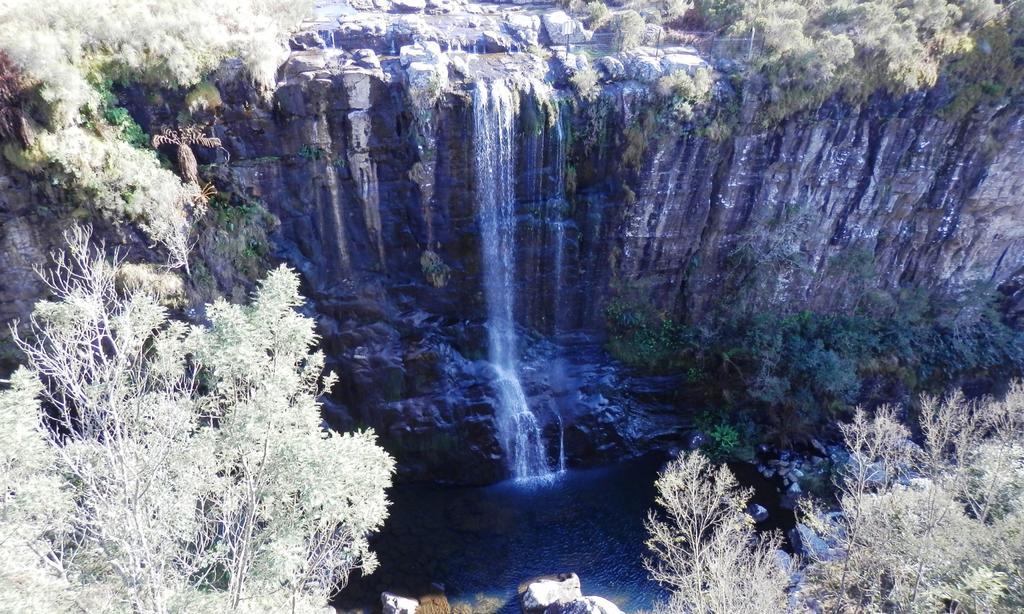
(561, 446)
(494, 113)
(559, 224)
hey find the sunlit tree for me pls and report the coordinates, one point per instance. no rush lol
(704, 546)
(935, 527)
(180, 468)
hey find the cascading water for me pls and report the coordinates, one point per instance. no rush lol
(562, 465)
(559, 224)
(494, 112)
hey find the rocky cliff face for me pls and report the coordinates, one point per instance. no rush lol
(366, 158)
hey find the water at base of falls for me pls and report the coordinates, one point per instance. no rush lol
(481, 542)
(494, 112)
(523, 441)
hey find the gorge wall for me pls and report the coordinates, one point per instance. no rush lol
(371, 174)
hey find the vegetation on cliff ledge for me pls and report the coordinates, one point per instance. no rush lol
(65, 55)
(798, 54)
(783, 377)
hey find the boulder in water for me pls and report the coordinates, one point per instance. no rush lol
(547, 591)
(395, 604)
(586, 605)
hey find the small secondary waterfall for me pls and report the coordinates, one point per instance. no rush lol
(494, 113)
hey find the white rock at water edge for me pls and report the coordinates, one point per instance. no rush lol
(586, 605)
(395, 604)
(548, 591)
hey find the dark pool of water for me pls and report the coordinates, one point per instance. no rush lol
(481, 543)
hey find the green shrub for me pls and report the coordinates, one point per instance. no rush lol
(130, 131)
(435, 270)
(724, 440)
(203, 97)
(74, 50)
(136, 507)
(674, 9)
(808, 52)
(585, 83)
(311, 152)
(627, 30)
(641, 337)
(801, 371)
(684, 93)
(597, 14)
(719, 14)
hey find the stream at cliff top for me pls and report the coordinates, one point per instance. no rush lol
(482, 542)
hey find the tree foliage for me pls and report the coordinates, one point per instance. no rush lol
(788, 377)
(182, 468)
(627, 30)
(935, 527)
(704, 548)
(813, 50)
